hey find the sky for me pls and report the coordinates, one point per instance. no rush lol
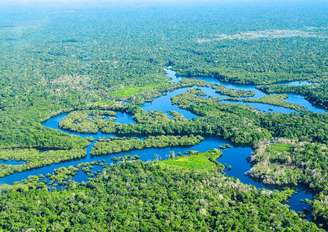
(24, 2)
(82, 2)
(138, 2)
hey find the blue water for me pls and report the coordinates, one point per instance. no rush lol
(235, 161)
(235, 158)
(147, 154)
(163, 104)
(300, 100)
(80, 176)
(172, 75)
(96, 168)
(210, 92)
(257, 93)
(292, 98)
(125, 118)
(298, 204)
(12, 162)
(53, 123)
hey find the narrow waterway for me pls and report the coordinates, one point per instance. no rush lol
(292, 98)
(234, 157)
(12, 162)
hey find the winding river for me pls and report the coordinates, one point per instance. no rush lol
(234, 157)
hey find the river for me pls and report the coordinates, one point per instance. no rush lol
(234, 157)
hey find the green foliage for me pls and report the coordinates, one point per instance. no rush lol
(218, 88)
(145, 197)
(87, 121)
(320, 209)
(297, 126)
(88, 60)
(305, 163)
(36, 158)
(273, 99)
(127, 144)
(315, 93)
(287, 162)
(70, 68)
(130, 91)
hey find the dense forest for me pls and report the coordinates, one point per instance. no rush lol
(290, 162)
(149, 197)
(95, 64)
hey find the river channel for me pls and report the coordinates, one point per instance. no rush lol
(235, 158)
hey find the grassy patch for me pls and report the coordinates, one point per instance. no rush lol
(279, 147)
(205, 161)
(128, 91)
